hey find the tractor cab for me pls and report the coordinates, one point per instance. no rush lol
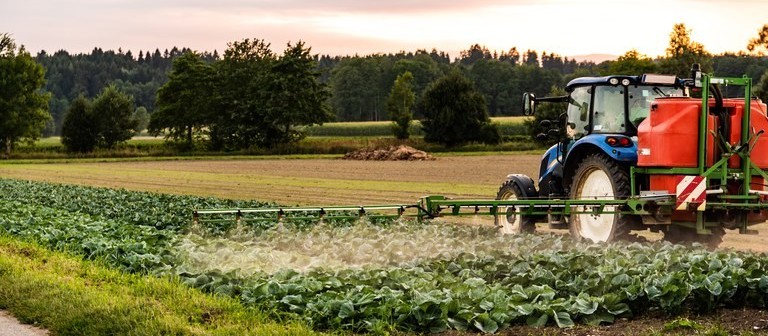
(602, 115)
(610, 104)
(613, 104)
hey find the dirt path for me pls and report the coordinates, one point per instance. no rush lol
(10, 326)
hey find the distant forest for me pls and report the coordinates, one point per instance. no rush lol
(359, 84)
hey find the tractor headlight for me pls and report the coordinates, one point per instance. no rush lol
(613, 81)
(625, 82)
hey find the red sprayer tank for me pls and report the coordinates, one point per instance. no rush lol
(669, 137)
(758, 121)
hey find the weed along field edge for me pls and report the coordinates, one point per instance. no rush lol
(373, 277)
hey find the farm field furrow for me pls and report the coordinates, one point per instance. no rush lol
(468, 169)
(288, 191)
(303, 182)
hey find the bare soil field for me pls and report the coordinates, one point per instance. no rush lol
(290, 182)
(317, 182)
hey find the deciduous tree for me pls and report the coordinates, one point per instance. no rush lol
(631, 63)
(241, 94)
(423, 68)
(532, 79)
(141, 115)
(261, 99)
(295, 97)
(184, 103)
(399, 104)
(79, 131)
(531, 58)
(113, 111)
(759, 44)
(23, 107)
(512, 56)
(455, 113)
(682, 53)
(474, 54)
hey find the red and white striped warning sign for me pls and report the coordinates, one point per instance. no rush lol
(691, 189)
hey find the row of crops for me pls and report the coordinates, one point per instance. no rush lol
(379, 277)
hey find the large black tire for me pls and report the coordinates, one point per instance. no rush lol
(599, 176)
(682, 235)
(508, 220)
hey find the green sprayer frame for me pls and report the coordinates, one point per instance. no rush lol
(747, 199)
(636, 204)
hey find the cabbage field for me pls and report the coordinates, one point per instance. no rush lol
(384, 276)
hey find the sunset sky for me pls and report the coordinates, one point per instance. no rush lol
(341, 27)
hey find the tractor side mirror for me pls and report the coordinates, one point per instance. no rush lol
(529, 103)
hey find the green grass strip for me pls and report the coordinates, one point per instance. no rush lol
(68, 296)
(174, 158)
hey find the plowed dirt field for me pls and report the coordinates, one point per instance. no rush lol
(290, 182)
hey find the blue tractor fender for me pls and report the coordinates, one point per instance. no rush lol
(524, 183)
(551, 172)
(551, 163)
(597, 143)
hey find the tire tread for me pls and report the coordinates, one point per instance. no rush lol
(620, 176)
(527, 224)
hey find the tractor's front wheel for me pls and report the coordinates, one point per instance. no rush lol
(509, 220)
(599, 177)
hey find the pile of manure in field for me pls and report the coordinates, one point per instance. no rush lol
(391, 153)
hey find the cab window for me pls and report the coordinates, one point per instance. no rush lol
(578, 112)
(609, 114)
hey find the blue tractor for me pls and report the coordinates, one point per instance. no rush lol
(597, 147)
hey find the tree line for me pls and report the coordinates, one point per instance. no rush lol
(243, 86)
(359, 85)
(69, 76)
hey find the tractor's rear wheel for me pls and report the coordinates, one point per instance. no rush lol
(600, 177)
(682, 235)
(509, 220)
